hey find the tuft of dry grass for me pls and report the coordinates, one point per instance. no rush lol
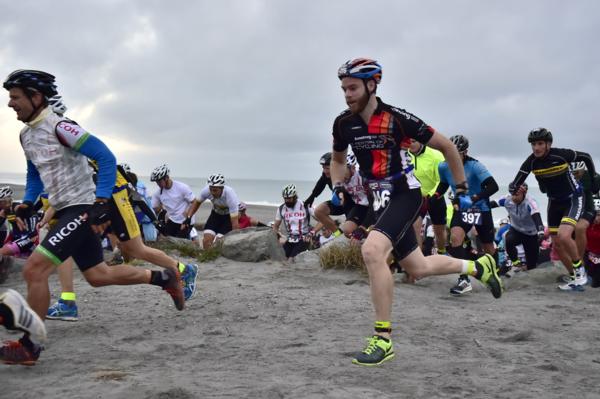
(345, 257)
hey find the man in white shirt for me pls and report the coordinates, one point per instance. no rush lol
(175, 198)
(224, 216)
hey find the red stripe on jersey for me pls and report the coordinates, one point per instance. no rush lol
(381, 124)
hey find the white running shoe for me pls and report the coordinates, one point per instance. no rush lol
(23, 317)
(580, 276)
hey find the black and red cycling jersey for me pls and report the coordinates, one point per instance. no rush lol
(553, 174)
(381, 146)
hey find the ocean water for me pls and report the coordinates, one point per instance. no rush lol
(268, 192)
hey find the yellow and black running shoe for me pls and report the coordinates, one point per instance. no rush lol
(378, 350)
(488, 274)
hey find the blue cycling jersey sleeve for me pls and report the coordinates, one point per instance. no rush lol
(445, 176)
(96, 150)
(34, 185)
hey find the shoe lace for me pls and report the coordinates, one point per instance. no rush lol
(372, 345)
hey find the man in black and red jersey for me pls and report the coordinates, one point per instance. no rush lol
(550, 167)
(379, 135)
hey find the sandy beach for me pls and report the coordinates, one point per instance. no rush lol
(275, 330)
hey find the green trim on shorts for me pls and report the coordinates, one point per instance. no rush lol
(53, 258)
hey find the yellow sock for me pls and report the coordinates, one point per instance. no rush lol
(68, 296)
(337, 233)
(383, 326)
(577, 264)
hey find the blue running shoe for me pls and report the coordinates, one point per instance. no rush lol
(63, 311)
(188, 278)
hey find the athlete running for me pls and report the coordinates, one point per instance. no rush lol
(426, 160)
(224, 215)
(550, 167)
(57, 150)
(379, 135)
(296, 219)
(479, 215)
(125, 227)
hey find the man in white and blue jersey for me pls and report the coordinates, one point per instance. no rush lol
(479, 216)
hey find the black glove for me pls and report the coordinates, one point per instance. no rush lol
(512, 188)
(309, 201)
(540, 236)
(187, 221)
(99, 213)
(24, 210)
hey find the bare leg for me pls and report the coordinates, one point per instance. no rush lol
(36, 271)
(322, 214)
(65, 275)
(565, 246)
(136, 248)
(581, 237)
(375, 251)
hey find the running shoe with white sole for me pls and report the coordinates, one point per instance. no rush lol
(463, 285)
(580, 276)
(188, 277)
(62, 310)
(378, 350)
(17, 315)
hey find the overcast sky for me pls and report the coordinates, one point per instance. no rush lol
(248, 88)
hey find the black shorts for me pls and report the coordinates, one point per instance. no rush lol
(396, 219)
(436, 208)
(173, 229)
(217, 224)
(357, 214)
(589, 211)
(292, 249)
(72, 236)
(566, 211)
(338, 210)
(481, 220)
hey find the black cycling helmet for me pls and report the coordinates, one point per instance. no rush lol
(325, 159)
(540, 134)
(461, 142)
(31, 81)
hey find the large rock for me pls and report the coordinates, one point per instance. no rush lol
(252, 245)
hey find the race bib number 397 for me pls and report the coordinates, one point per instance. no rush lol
(469, 217)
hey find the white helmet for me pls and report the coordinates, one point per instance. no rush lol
(160, 172)
(289, 191)
(350, 159)
(216, 180)
(6, 192)
(126, 167)
(57, 104)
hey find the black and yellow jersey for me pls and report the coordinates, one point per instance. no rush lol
(553, 173)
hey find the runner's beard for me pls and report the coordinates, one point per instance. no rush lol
(361, 103)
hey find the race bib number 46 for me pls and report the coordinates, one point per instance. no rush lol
(382, 191)
(470, 217)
